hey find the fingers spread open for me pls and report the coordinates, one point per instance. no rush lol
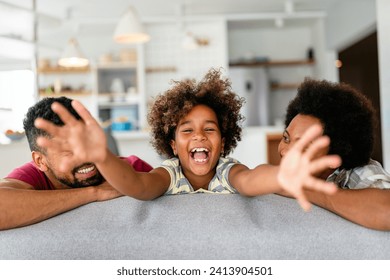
(319, 185)
(316, 146)
(47, 126)
(310, 134)
(44, 142)
(303, 202)
(324, 163)
(83, 112)
(63, 113)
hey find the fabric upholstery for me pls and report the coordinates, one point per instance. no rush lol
(195, 226)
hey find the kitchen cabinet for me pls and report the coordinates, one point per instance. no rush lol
(121, 96)
(64, 81)
(278, 82)
(114, 92)
(74, 83)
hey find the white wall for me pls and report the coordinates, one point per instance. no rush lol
(270, 42)
(165, 50)
(349, 21)
(14, 155)
(383, 25)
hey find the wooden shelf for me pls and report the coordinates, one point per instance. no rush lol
(43, 93)
(113, 104)
(273, 63)
(160, 69)
(62, 70)
(118, 65)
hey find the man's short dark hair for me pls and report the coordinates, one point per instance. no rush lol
(42, 109)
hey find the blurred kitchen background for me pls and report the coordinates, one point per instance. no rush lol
(266, 47)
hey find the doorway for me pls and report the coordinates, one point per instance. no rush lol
(360, 69)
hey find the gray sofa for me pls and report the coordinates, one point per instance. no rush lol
(195, 226)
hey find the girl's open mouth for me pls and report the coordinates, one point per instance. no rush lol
(200, 154)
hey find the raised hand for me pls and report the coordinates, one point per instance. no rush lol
(80, 140)
(300, 163)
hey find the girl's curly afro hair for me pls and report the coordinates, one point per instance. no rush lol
(347, 116)
(175, 103)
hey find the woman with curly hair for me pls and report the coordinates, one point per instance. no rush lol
(195, 125)
(348, 118)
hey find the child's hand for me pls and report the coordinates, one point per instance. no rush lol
(80, 140)
(299, 165)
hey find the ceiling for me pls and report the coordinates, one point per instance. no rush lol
(146, 8)
(63, 13)
(60, 19)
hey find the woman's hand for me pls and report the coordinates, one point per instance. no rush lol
(299, 166)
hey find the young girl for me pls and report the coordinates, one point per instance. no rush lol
(195, 125)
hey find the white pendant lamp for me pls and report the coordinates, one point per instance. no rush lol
(189, 42)
(130, 29)
(72, 56)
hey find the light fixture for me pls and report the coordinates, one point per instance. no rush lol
(72, 56)
(189, 42)
(130, 29)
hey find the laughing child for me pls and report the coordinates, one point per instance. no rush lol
(195, 125)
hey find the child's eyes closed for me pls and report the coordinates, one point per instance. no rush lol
(189, 130)
(186, 130)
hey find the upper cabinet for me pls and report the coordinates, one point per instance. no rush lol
(120, 92)
(113, 90)
(121, 99)
(64, 81)
(267, 63)
(75, 83)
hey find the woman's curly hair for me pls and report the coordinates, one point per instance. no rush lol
(347, 116)
(213, 91)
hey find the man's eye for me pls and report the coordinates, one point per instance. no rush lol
(286, 139)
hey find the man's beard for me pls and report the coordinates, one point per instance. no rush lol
(95, 180)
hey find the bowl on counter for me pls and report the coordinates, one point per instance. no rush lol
(121, 126)
(14, 135)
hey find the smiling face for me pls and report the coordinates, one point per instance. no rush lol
(82, 175)
(198, 145)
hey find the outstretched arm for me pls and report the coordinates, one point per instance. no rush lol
(295, 173)
(21, 205)
(84, 141)
(366, 207)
